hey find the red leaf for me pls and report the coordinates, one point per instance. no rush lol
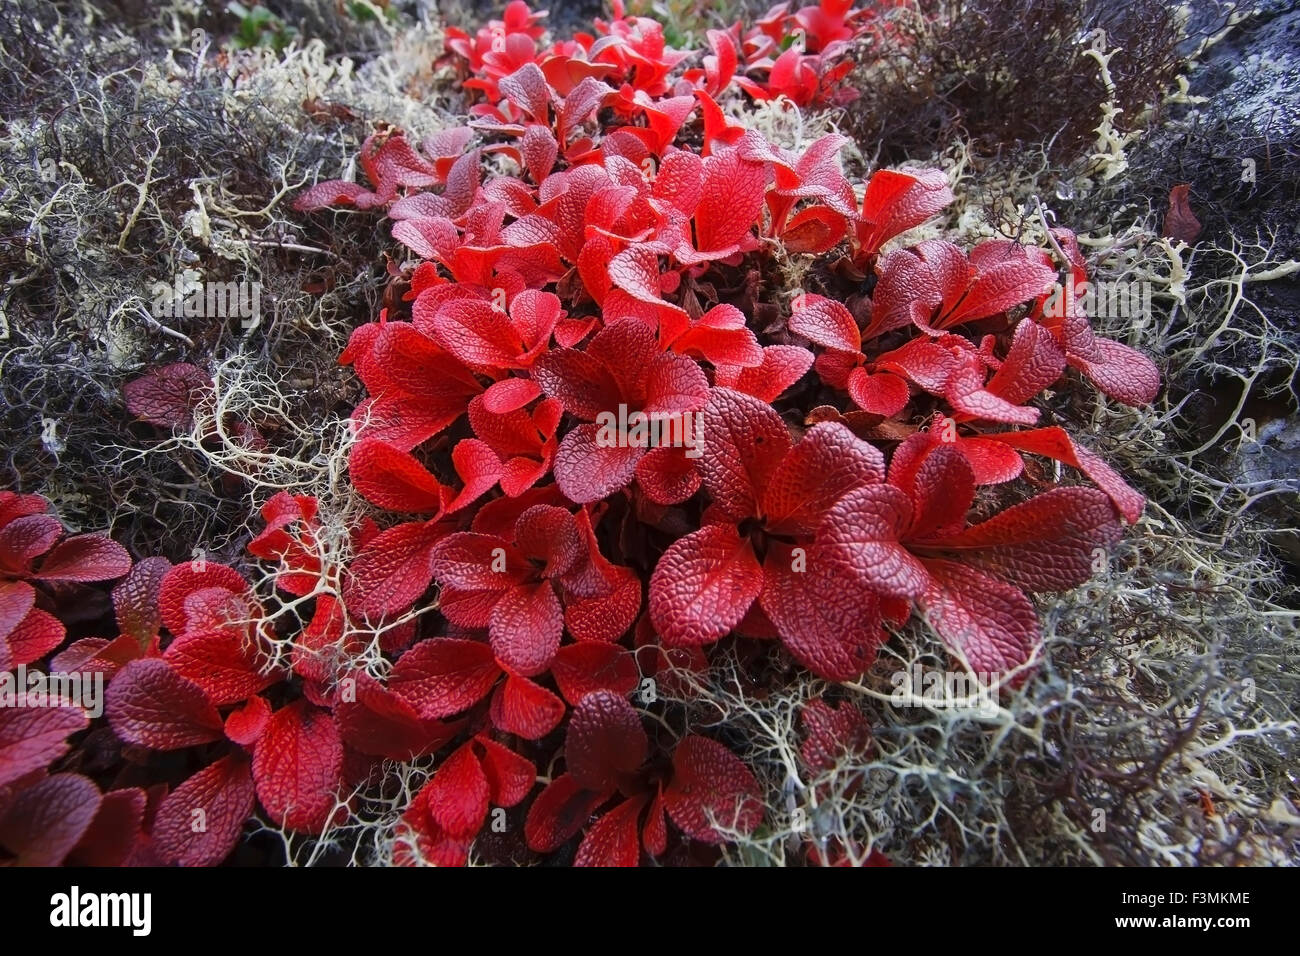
(667, 475)
(558, 813)
(510, 777)
(655, 833)
(188, 577)
(479, 469)
(943, 490)
(1044, 544)
(96, 655)
(538, 149)
(711, 791)
(965, 392)
(229, 663)
(335, 192)
(897, 201)
(150, 704)
(982, 619)
(524, 708)
(579, 380)
(730, 202)
(167, 396)
(85, 557)
(703, 585)
(527, 89)
(199, 822)
(444, 676)
(393, 570)
(478, 334)
(612, 840)
(135, 600)
(114, 832)
(245, 724)
(419, 838)
(1005, 274)
(588, 470)
(525, 629)
(826, 322)
(297, 767)
(468, 561)
(828, 621)
(549, 535)
(832, 734)
(881, 393)
(924, 361)
(320, 648)
(1055, 442)
(457, 796)
(828, 462)
(393, 479)
(25, 539)
(35, 636)
(993, 462)
(1124, 374)
(211, 609)
(860, 539)
(1034, 362)
(744, 442)
(34, 737)
(782, 366)
(13, 506)
(814, 230)
(605, 616)
(17, 598)
(380, 723)
(604, 741)
(675, 384)
(508, 395)
(582, 669)
(44, 822)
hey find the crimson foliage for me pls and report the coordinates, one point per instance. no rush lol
(611, 280)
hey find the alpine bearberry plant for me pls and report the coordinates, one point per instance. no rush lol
(594, 445)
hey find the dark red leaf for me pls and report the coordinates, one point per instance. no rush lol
(34, 737)
(42, 824)
(167, 396)
(457, 796)
(558, 813)
(711, 791)
(199, 822)
(150, 704)
(604, 741)
(85, 557)
(1180, 222)
(114, 832)
(581, 669)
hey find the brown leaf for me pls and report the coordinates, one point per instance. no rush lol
(1180, 222)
